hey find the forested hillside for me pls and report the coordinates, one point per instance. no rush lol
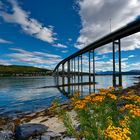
(15, 70)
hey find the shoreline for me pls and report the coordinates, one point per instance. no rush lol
(46, 118)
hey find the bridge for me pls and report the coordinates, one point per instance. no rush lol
(70, 70)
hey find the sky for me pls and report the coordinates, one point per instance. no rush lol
(42, 33)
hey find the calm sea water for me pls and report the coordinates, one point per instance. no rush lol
(20, 95)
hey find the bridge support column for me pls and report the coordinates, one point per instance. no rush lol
(74, 72)
(63, 74)
(114, 71)
(68, 76)
(93, 71)
(114, 64)
(78, 73)
(120, 70)
(81, 74)
(57, 77)
(89, 72)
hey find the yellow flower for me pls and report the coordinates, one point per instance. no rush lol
(88, 98)
(135, 112)
(131, 97)
(112, 96)
(76, 94)
(97, 99)
(124, 123)
(117, 133)
(79, 104)
(128, 106)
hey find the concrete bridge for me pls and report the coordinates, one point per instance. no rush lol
(72, 67)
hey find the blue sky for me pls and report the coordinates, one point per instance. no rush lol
(42, 33)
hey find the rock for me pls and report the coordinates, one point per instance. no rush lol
(6, 135)
(78, 127)
(51, 136)
(25, 131)
(10, 126)
(69, 138)
(42, 138)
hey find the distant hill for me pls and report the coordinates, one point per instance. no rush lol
(16, 70)
(132, 72)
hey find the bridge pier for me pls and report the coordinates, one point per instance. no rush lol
(120, 68)
(57, 77)
(81, 73)
(78, 72)
(89, 63)
(63, 74)
(72, 75)
(68, 71)
(93, 71)
(114, 64)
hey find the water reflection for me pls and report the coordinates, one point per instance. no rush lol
(27, 94)
(101, 82)
(23, 94)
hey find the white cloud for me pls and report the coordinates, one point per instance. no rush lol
(65, 51)
(70, 39)
(131, 56)
(40, 59)
(28, 25)
(95, 17)
(59, 45)
(102, 63)
(135, 66)
(124, 59)
(129, 43)
(47, 55)
(4, 62)
(3, 41)
(108, 66)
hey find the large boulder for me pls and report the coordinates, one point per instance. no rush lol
(25, 131)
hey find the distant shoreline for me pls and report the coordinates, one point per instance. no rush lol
(25, 75)
(50, 74)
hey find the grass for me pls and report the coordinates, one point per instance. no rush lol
(109, 115)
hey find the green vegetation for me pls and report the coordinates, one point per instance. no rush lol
(110, 115)
(15, 70)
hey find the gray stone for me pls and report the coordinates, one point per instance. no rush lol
(6, 135)
(49, 136)
(69, 138)
(43, 137)
(25, 131)
(52, 136)
(78, 127)
(10, 126)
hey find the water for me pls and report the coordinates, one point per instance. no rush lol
(20, 95)
(23, 94)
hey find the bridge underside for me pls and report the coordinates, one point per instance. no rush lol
(70, 70)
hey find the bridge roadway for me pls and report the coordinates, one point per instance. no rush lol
(114, 38)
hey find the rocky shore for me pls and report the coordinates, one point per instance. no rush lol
(43, 125)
